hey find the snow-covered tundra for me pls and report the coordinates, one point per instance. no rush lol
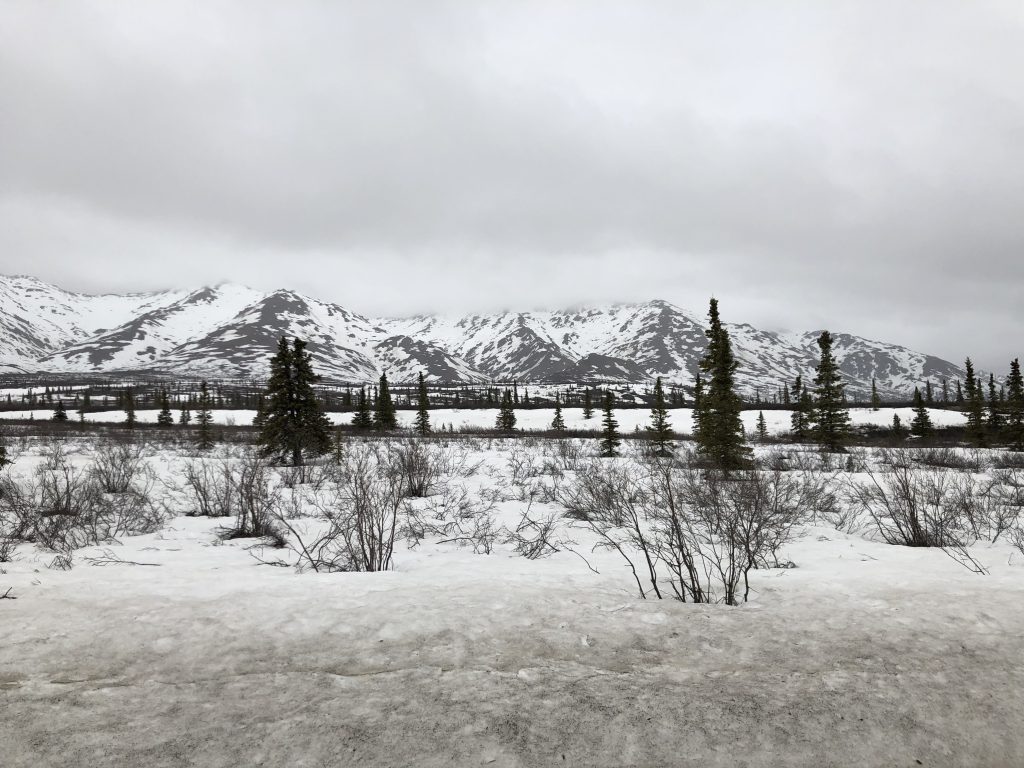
(486, 602)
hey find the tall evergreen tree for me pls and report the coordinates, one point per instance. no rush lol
(660, 428)
(719, 428)
(165, 418)
(929, 396)
(609, 427)
(945, 390)
(1015, 407)
(384, 418)
(185, 416)
(204, 419)
(876, 401)
(921, 426)
(975, 403)
(422, 407)
(295, 425)
(897, 425)
(959, 393)
(558, 422)
(128, 398)
(830, 422)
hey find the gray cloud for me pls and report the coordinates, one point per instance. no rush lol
(852, 165)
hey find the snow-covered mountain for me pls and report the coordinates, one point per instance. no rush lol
(230, 331)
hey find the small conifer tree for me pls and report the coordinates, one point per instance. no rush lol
(422, 407)
(995, 416)
(1015, 407)
(164, 418)
(975, 403)
(506, 421)
(921, 426)
(185, 416)
(129, 408)
(660, 428)
(897, 425)
(762, 427)
(876, 401)
(60, 413)
(384, 417)
(295, 424)
(558, 422)
(609, 427)
(830, 422)
(363, 418)
(204, 419)
(588, 405)
(718, 427)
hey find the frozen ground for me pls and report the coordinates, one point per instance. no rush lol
(865, 654)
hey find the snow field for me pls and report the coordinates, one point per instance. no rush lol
(864, 654)
(537, 419)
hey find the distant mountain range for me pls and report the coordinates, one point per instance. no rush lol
(230, 331)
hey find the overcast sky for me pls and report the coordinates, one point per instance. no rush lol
(858, 166)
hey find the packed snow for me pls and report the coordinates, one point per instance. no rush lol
(178, 648)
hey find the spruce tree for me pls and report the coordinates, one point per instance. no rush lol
(129, 408)
(660, 428)
(995, 417)
(295, 425)
(698, 397)
(959, 393)
(929, 397)
(897, 425)
(204, 418)
(60, 413)
(719, 433)
(588, 406)
(422, 406)
(975, 403)
(1015, 407)
(363, 418)
(185, 417)
(830, 421)
(506, 421)
(762, 427)
(609, 428)
(921, 426)
(876, 401)
(803, 409)
(945, 390)
(384, 418)
(165, 418)
(558, 422)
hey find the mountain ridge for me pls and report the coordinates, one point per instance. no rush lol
(230, 330)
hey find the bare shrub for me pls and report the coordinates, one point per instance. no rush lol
(455, 516)
(951, 458)
(64, 507)
(360, 510)
(208, 487)
(536, 534)
(417, 465)
(115, 466)
(917, 506)
(713, 528)
(257, 500)
(609, 501)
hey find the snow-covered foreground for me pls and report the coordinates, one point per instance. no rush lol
(864, 654)
(629, 419)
